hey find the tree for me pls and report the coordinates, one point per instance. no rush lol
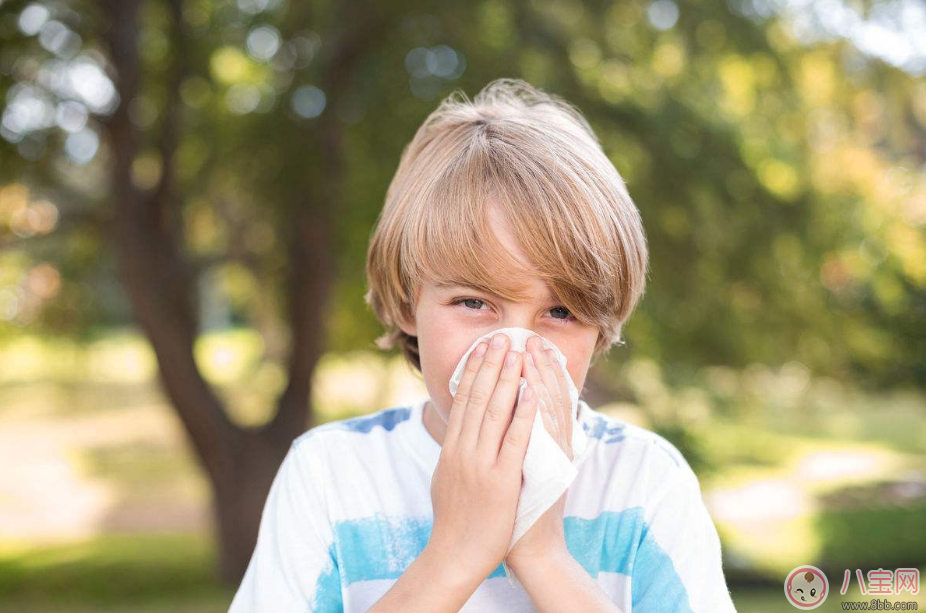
(240, 462)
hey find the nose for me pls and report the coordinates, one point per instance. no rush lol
(514, 322)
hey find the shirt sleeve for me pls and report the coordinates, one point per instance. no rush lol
(293, 566)
(678, 564)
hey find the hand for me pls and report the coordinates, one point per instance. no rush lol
(546, 376)
(477, 482)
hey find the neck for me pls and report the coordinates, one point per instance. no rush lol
(433, 423)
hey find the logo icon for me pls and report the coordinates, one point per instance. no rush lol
(806, 587)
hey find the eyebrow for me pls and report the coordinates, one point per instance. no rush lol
(549, 297)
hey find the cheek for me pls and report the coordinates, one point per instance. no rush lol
(437, 363)
(439, 341)
(439, 358)
(577, 372)
(440, 354)
(578, 354)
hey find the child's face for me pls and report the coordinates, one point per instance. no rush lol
(446, 330)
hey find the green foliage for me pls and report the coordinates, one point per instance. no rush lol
(775, 176)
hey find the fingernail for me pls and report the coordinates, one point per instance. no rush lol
(498, 341)
(480, 349)
(509, 359)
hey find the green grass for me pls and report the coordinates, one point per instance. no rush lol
(166, 572)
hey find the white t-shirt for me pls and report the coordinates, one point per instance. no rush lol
(350, 509)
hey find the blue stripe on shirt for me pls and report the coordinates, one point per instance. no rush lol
(382, 547)
(328, 588)
(387, 418)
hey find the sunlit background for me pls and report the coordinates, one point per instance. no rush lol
(187, 189)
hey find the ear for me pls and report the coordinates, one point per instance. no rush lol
(408, 327)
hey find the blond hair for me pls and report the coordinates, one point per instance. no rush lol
(536, 157)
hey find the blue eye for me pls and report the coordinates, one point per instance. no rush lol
(461, 300)
(569, 316)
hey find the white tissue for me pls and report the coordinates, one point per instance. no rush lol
(547, 470)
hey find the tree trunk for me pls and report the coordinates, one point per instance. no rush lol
(238, 501)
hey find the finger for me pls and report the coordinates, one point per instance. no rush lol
(514, 444)
(535, 377)
(550, 422)
(543, 398)
(501, 405)
(481, 391)
(548, 374)
(545, 391)
(551, 374)
(561, 375)
(458, 407)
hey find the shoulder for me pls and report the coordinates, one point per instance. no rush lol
(386, 419)
(376, 426)
(643, 452)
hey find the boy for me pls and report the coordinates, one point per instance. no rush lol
(504, 212)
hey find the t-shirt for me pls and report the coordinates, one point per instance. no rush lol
(350, 509)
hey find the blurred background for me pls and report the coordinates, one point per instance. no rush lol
(187, 188)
